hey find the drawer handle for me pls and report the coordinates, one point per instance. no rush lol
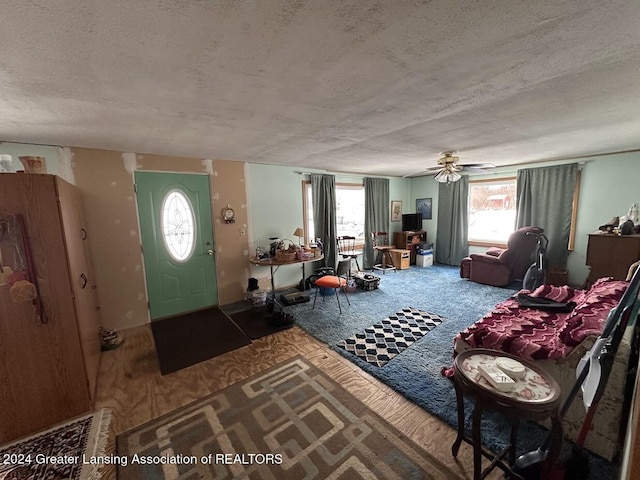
(83, 234)
(84, 279)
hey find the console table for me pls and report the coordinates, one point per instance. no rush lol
(610, 255)
(274, 264)
(407, 239)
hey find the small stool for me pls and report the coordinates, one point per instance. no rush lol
(541, 402)
(384, 260)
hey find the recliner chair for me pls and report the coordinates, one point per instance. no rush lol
(500, 267)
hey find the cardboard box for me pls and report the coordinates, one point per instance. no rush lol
(424, 260)
(401, 258)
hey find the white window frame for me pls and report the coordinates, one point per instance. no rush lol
(488, 242)
(306, 191)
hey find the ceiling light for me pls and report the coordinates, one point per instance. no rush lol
(447, 176)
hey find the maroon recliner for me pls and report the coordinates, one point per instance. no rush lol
(499, 267)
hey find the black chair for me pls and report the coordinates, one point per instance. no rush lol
(347, 249)
(337, 281)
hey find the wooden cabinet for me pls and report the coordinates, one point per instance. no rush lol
(48, 370)
(611, 255)
(406, 240)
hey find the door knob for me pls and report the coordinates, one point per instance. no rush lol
(209, 252)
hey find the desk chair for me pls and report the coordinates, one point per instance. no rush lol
(335, 281)
(347, 249)
(382, 252)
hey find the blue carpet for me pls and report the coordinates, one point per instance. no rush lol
(415, 372)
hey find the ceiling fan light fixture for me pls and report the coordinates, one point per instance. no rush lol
(448, 170)
(447, 176)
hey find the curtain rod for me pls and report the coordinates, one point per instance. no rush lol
(342, 174)
(509, 169)
(2, 142)
(584, 159)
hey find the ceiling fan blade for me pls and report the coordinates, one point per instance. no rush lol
(416, 175)
(477, 165)
(448, 163)
(425, 172)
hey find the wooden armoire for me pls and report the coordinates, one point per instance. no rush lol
(48, 370)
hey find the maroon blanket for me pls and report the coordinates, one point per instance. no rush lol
(536, 334)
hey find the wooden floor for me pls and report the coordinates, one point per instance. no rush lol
(130, 384)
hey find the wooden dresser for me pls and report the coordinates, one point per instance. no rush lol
(611, 255)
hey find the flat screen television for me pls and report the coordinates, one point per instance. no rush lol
(411, 222)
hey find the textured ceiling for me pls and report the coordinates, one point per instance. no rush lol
(356, 86)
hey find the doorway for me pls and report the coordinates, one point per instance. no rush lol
(176, 229)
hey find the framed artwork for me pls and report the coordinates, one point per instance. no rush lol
(396, 210)
(423, 206)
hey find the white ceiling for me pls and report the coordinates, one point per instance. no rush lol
(371, 87)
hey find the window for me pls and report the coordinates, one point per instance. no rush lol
(349, 211)
(178, 227)
(492, 210)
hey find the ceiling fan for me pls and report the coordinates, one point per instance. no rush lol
(448, 169)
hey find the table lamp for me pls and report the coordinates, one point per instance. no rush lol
(299, 233)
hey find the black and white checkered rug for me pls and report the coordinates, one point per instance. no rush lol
(381, 342)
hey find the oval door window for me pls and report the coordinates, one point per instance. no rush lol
(178, 225)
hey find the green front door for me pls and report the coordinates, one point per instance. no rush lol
(177, 242)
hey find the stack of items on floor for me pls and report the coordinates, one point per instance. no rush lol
(255, 294)
(424, 255)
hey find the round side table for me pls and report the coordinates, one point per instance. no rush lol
(534, 396)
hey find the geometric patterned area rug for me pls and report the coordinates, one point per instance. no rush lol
(381, 342)
(73, 450)
(290, 421)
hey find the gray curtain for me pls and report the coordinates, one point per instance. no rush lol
(323, 193)
(452, 243)
(376, 214)
(545, 199)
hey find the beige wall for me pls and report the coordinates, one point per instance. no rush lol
(232, 246)
(106, 181)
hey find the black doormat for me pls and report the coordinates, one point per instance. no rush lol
(194, 337)
(257, 322)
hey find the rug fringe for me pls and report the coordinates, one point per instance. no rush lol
(100, 432)
(103, 432)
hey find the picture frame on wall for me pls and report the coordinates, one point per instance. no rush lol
(396, 210)
(423, 206)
